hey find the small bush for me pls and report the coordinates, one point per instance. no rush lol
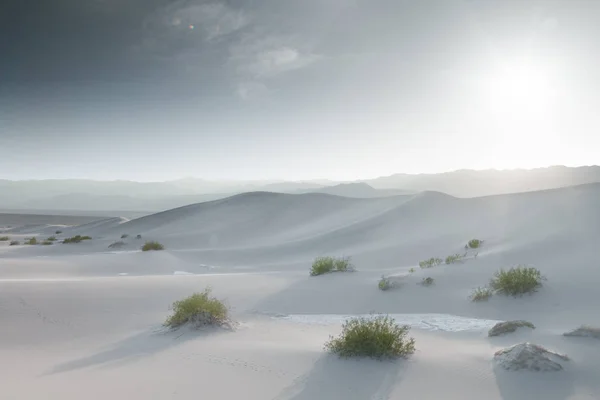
(51, 239)
(376, 336)
(386, 283)
(427, 281)
(432, 262)
(411, 271)
(15, 243)
(152, 246)
(124, 236)
(116, 245)
(138, 237)
(47, 243)
(454, 258)
(481, 294)
(4, 238)
(474, 243)
(325, 265)
(76, 239)
(516, 281)
(199, 309)
(31, 241)
(58, 232)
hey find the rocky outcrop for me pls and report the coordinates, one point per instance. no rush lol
(585, 331)
(528, 356)
(502, 328)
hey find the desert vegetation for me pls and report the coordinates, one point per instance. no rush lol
(152, 246)
(432, 262)
(427, 281)
(51, 239)
(57, 232)
(15, 243)
(474, 243)
(4, 238)
(124, 236)
(375, 337)
(386, 283)
(516, 281)
(454, 258)
(481, 294)
(47, 242)
(325, 265)
(31, 241)
(509, 326)
(138, 237)
(199, 309)
(76, 239)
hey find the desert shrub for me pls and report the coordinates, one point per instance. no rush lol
(51, 239)
(481, 294)
(4, 238)
(199, 309)
(474, 243)
(325, 265)
(47, 242)
(14, 243)
(31, 241)
(454, 258)
(116, 245)
(375, 336)
(516, 281)
(152, 246)
(432, 262)
(124, 236)
(411, 271)
(427, 281)
(76, 239)
(58, 232)
(138, 237)
(386, 283)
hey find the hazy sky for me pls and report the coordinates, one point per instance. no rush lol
(340, 89)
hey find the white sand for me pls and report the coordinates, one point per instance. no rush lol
(84, 321)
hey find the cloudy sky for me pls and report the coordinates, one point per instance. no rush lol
(260, 89)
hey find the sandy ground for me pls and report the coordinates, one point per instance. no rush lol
(84, 321)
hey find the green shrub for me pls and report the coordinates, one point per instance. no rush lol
(481, 294)
(51, 239)
(123, 236)
(427, 281)
(432, 262)
(411, 271)
(47, 243)
(31, 241)
(58, 232)
(4, 238)
(386, 283)
(76, 239)
(516, 281)
(374, 336)
(199, 309)
(474, 243)
(14, 243)
(325, 265)
(152, 246)
(454, 258)
(138, 237)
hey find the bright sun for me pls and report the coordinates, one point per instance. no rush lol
(519, 89)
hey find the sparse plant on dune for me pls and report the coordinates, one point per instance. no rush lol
(427, 281)
(375, 337)
(325, 265)
(14, 243)
(474, 243)
(386, 283)
(517, 281)
(138, 237)
(152, 246)
(481, 294)
(199, 309)
(454, 258)
(51, 239)
(432, 262)
(4, 238)
(124, 236)
(31, 241)
(412, 271)
(58, 232)
(47, 242)
(76, 239)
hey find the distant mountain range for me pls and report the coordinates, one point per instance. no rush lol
(81, 195)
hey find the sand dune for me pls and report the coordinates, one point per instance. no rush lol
(83, 320)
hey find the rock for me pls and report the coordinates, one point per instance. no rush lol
(585, 331)
(509, 326)
(530, 357)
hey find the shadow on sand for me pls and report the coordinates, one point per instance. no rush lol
(335, 378)
(526, 385)
(138, 346)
